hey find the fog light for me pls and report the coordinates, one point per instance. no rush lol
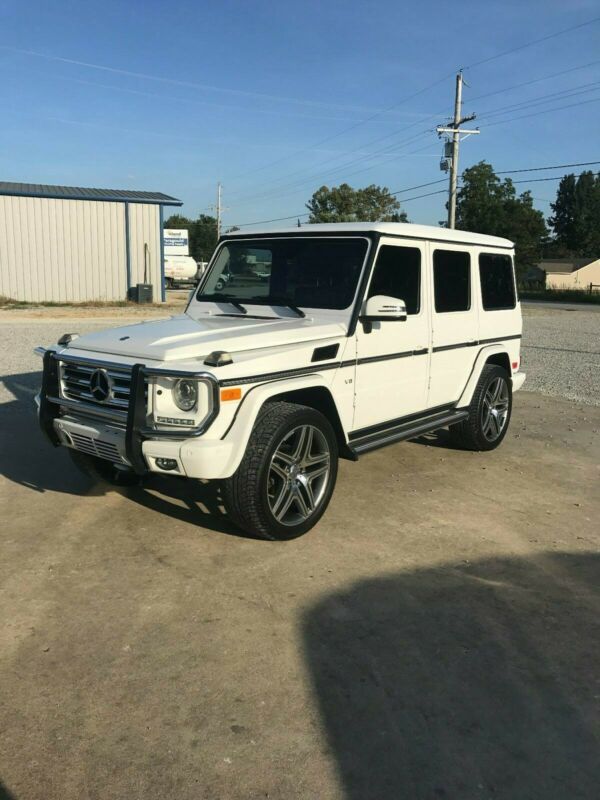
(166, 463)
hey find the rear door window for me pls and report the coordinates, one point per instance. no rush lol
(451, 280)
(497, 281)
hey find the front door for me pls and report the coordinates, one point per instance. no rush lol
(393, 358)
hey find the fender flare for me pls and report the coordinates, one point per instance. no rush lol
(240, 428)
(473, 379)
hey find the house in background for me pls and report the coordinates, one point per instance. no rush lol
(572, 273)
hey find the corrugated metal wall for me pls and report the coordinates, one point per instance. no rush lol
(74, 250)
(144, 228)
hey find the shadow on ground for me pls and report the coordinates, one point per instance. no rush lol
(470, 681)
(27, 458)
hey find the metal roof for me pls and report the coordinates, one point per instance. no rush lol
(402, 229)
(79, 193)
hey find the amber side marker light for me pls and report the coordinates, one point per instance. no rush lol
(231, 394)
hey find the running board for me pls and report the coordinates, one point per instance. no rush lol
(407, 430)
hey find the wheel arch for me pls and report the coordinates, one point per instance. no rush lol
(493, 354)
(309, 390)
(321, 399)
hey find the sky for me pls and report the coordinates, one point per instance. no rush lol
(275, 100)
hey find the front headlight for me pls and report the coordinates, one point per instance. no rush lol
(185, 394)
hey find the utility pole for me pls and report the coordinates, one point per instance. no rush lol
(218, 211)
(453, 131)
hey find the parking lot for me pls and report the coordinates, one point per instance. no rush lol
(436, 636)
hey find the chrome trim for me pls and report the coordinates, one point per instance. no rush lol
(96, 362)
(88, 410)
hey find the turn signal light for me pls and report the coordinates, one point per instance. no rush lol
(231, 394)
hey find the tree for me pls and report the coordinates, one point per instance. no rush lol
(576, 218)
(345, 204)
(486, 204)
(202, 234)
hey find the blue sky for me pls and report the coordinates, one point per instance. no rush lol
(275, 99)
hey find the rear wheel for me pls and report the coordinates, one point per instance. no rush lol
(287, 475)
(104, 471)
(489, 411)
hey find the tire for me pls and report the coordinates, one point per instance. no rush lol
(103, 471)
(489, 412)
(168, 283)
(287, 475)
(220, 285)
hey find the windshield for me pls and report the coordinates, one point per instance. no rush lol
(302, 271)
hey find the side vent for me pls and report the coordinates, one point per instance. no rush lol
(325, 353)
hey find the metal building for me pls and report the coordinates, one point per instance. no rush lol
(68, 244)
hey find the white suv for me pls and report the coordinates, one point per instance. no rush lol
(361, 335)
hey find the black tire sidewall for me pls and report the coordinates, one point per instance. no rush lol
(491, 373)
(304, 416)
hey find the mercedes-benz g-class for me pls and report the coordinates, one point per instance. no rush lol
(322, 342)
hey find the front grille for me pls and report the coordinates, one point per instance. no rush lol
(95, 447)
(76, 384)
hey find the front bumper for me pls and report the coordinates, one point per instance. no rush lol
(129, 441)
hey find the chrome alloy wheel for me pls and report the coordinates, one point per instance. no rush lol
(298, 475)
(495, 409)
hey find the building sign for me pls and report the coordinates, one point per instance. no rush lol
(176, 242)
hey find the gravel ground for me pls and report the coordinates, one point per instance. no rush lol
(561, 346)
(561, 352)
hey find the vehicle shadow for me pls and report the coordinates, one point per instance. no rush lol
(469, 681)
(5, 794)
(27, 458)
(440, 438)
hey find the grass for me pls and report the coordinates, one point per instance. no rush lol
(560, 295)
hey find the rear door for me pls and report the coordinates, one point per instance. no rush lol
(454, 322)
(392, 359)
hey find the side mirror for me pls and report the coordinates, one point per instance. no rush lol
(382, 308)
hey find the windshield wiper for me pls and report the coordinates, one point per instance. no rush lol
(278, 301)
(224, 298)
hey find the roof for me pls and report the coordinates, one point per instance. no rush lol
(403, 229)
(79, 193)
(564, 266)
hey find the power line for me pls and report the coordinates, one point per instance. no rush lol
(530, 44)
(564, 94)
(443, 191)
(350, 127)
(426, 88)
(392, 149)
(389, 148)
(545, 111)
(553, 178)
(535, 80)
(554, 166)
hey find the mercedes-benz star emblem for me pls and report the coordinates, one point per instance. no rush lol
(100, 386)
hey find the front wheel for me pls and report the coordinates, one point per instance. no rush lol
(489, 411)
(287, 475)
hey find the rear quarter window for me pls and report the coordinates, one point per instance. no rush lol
(497, 281)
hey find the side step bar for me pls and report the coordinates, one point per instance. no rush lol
(407, 430)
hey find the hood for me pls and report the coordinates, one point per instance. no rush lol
(181, 337)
